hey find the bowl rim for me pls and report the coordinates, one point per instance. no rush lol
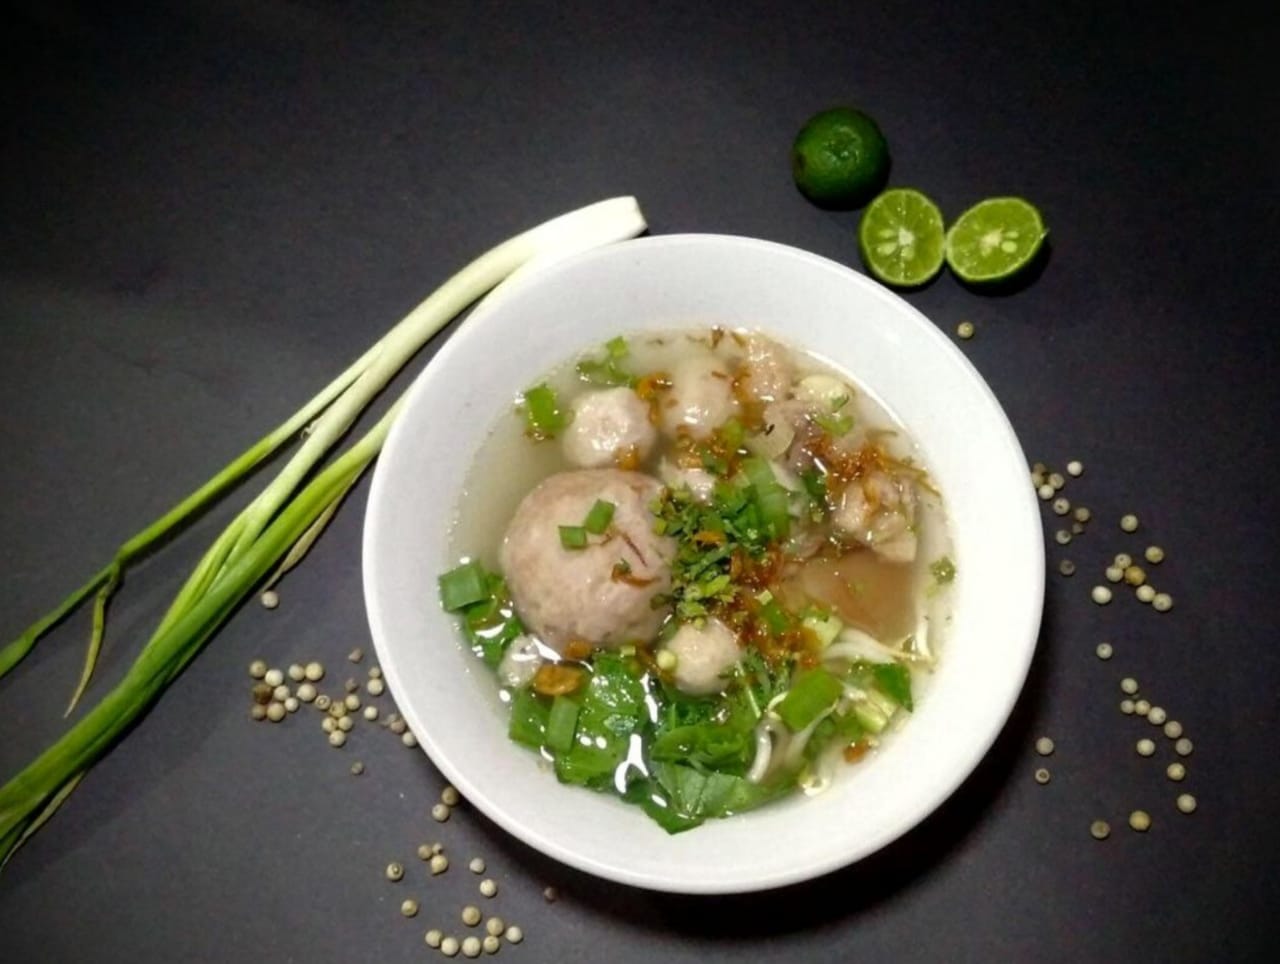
(924, 804)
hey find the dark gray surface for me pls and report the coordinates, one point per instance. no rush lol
(207, 211)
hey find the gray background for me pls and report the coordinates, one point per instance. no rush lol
(208, 208)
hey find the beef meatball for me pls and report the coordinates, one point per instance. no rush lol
(606, 426)
(703, 655)
(602, 594)
(701, 397)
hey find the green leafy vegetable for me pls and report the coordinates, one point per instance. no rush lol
(813, 692)
(707, 733)
(894, 680)
(695, 795)
(611, 709)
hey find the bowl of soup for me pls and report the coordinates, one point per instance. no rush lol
(703, 563)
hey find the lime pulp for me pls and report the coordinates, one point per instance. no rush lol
(901, 238)
(994, 239)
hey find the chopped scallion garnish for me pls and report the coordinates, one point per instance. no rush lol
(607, 371)
(599, 517)
(573, 537)
(561, 723)
(835, 425)
(544, 419)
(463, 586)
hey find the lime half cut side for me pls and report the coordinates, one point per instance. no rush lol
(901, 238)
(995, 239)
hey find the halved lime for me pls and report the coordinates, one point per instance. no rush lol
(994, 239)
(901, 237)
(839, 158)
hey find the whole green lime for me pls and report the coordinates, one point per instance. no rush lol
(839, 159)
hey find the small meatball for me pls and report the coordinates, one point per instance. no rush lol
(878, 511)
(606, 425)
(703, 655)
(701, 397)
(767, 371)
(700, 483)
(563, 595)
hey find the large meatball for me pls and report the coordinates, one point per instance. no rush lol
(563, 594)
(701, 397)
(606, 426)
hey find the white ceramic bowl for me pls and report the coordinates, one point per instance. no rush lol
(684, 281)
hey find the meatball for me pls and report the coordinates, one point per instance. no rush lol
(878, 511)
(767, 371)
(700, 482)
(607, 425)
(584, 594)
(703, 655)
(701, 397)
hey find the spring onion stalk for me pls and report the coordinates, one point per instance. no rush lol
(277, 527)
(328, 416)
(106, 580)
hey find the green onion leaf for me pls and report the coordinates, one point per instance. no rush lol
(835, 425)
(608, 371)
(561, 724)
(775, 617)
(573, 537)
(529, 719)
(599, 517)
(543, 416)
(461, 587)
